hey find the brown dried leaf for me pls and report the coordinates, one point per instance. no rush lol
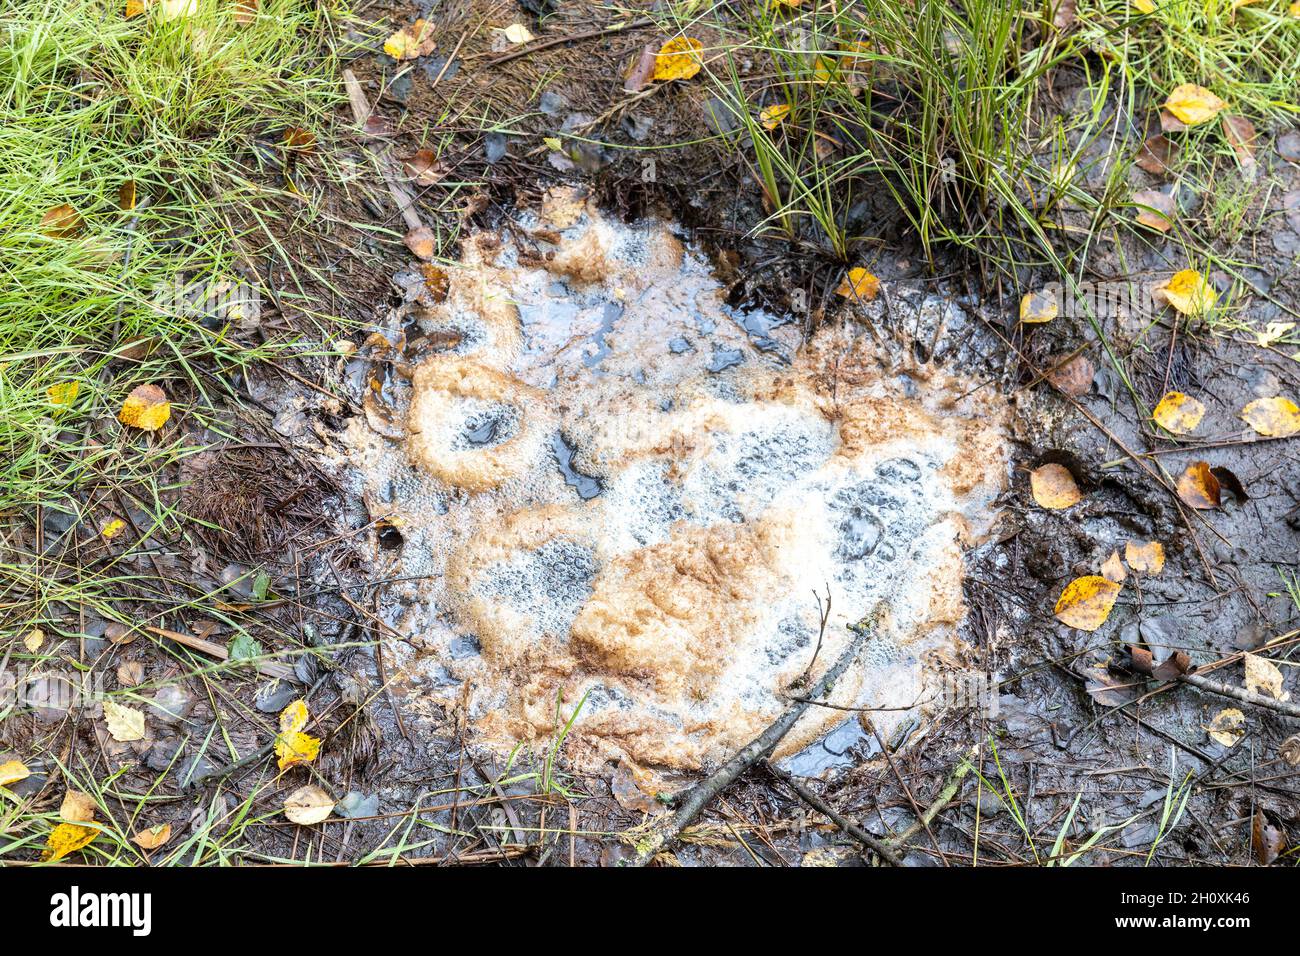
(1157, 154)
(424, 168)
(1264, 677)
(1159, 209)
(421, 242)
(1112, 569)
(61, 222)
(1266, 840)
(1198, 488)
(1241, 136)
(77, 807)
(1073, 377)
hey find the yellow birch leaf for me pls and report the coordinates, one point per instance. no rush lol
(1147, 556)
(1275, 417)
(1144, 6)
(1228, 726)
(771, 116)
(294, 717)
(308, 805)
(34, 639)
(1188, 292)
(413, 40)
(154, 837)
(177, 9)
(679, 59)
(1194, 104)
(1179, 413)
(12, 771)
(1038, 307)
(113, 528)
(146, 408)
(67, 838)
(1054, 487)
(124, 723)
(1263, 677)
(859, 284)
(295, 748)
(1086, 602)
(63, 393)
(1294, 9)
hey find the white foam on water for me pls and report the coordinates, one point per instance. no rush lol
(738, 474)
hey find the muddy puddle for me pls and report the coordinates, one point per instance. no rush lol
(599, 487)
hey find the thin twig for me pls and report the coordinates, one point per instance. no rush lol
(875, 844)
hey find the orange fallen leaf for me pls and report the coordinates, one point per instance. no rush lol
(298, 140)
(858, 283)
(1178, 413)
(1198, 488)
(421, 242)
(61, 222)
(413, 40)
(1086, 602)
(1194, 104)
(1275, 417)
(153, 837)
(1054, 487)
(246, 11)
(679, 59)
(424, 168)
(1146, 556)
(1073, 376)
(1038, 307)
(146, 408)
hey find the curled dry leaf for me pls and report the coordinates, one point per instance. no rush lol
(413, 40)
(1198, 488)
(1086, 602)
(1157, 154)
(1290, 750)
(772, 116)
(1276, 417)
(61, 222)
(1264, 677)
(1241, 136)
(130, 673)
(1157, 209)
(1188, 292)
(1039, 307)
(308, 805)
(1112, 569)
(77, 807)
(679, 59)
(1178, 413)
(12, 771)
(1227, 727)
(1073, 376)
(424, 168)
(153, 837)
(145, 408)
(1194, 104)
(859, 284)
(67, 838)
(124, 723)
(1145, 556)
(1230, 481)
(1054, 487)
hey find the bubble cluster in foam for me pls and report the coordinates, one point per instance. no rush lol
(656, 541)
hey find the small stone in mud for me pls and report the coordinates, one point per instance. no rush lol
(724, 359)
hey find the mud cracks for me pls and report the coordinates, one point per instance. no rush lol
(616, 490)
